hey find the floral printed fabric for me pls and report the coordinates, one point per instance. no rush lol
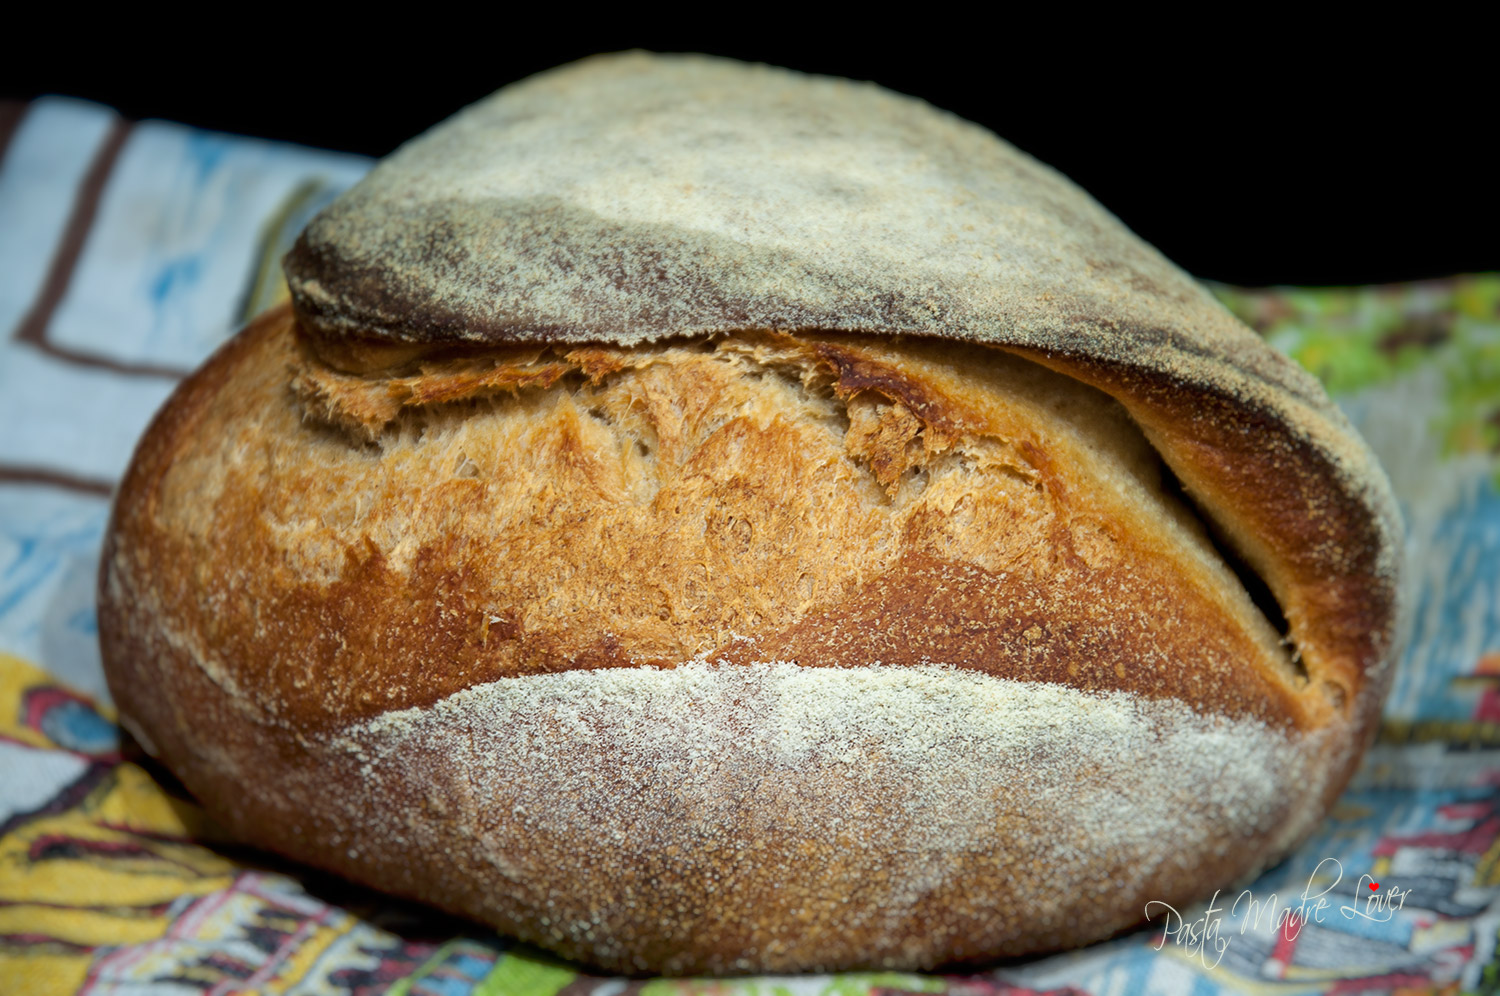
(127, 252)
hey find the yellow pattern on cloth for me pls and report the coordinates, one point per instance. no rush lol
(106, 883)
(116, 838)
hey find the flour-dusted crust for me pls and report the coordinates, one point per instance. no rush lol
(701, 518)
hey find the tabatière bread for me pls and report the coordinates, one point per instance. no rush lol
(701, 518)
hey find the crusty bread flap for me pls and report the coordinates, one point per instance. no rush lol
(631, 198)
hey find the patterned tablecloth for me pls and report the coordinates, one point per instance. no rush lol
(128, 251)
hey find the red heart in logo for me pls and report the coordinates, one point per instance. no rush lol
(1374, 886)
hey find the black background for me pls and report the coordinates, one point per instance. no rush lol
(1288, 157)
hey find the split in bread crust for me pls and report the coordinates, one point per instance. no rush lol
(836, 500)
(631, 198)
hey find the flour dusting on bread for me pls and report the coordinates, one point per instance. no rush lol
(896, 780)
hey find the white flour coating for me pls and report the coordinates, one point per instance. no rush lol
(923, 762)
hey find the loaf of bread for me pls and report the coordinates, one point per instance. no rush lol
(700, 518)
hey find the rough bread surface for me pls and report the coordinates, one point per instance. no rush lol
(702, 518)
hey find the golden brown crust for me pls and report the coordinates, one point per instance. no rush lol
(339, 577)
